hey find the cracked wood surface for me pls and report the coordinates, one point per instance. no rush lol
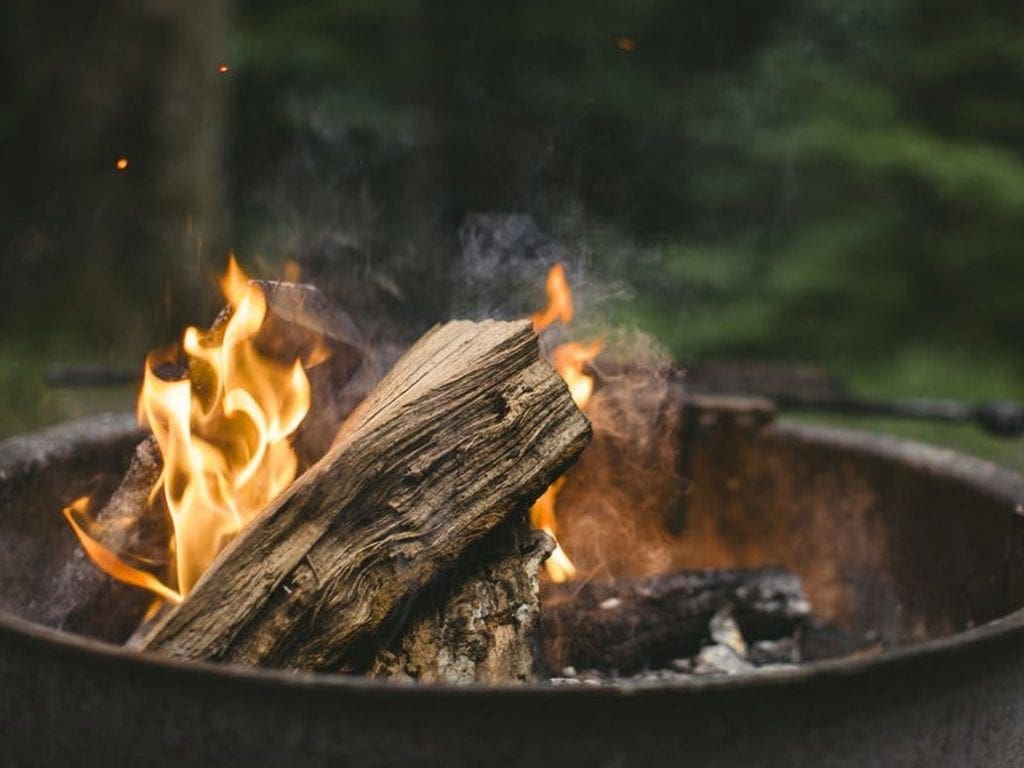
(468, 428)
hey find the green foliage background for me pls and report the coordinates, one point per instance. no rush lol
(835, 182)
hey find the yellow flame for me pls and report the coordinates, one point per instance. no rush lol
(223, 433)
(570, 360)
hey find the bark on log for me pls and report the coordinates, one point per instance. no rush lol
(630, 625)
(484, 630)
(467, 429)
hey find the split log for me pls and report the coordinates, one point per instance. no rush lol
(132, 529)
(467, 430)
(484, 630)
(630, 625)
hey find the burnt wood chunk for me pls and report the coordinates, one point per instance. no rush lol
(133, 529)
(468, 429)
(634, 624)
(483, 629)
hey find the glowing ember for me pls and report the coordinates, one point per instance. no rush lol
(223, 69)
(223, 433)
(570, 360)
(121, 164)
(625, 43)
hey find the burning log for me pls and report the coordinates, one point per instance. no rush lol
(486, 629)
(130, 534)
(626, 626)
(467, 429)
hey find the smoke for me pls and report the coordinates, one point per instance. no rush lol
(501, 266)
(349, 197)
(621, 502)
(620, 508)
(502, 263)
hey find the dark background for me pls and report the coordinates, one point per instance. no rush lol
(833, 181)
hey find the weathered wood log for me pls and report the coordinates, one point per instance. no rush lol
(630, 625)
(485, 628)
(467, 429)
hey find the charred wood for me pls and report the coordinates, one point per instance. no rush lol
(634, 624)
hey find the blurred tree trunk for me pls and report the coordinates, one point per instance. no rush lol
(90, 249)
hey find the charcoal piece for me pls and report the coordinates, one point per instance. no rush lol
(637, 624)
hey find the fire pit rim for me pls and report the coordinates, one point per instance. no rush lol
(17, 453)
(932, 652)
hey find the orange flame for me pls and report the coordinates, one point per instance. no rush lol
(570, 360)
(223, 433)
(559, 300)
(110, 562)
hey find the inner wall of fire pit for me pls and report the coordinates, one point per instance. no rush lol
(899, 539)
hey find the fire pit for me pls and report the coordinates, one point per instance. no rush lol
(920, 546)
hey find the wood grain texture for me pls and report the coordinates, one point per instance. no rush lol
(485, 626)
(468, 428)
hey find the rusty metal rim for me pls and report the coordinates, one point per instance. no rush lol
(1005, 485)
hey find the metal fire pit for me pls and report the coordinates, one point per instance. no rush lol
(924, 546)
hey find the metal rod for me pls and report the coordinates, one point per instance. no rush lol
(90, 376)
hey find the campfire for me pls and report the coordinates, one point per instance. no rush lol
(702, 531)
(293, 507)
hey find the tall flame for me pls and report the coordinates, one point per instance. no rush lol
(570, 360)
(223, 433)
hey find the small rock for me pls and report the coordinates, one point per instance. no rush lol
(725, 631)
(720, 660)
